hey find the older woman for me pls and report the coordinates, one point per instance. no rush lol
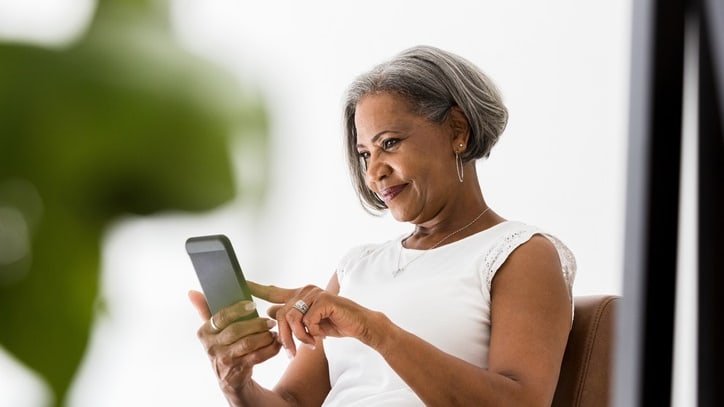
(468, 309)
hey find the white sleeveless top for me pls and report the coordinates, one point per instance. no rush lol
(442, 296)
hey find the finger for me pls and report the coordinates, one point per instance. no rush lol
(246, 345)
(266, 352)
(199, 302)
(242, 355)
(242, 364)
(285, 334)
(272, 311)
(232, 313)
(275, 295)
(295, 319)
(242, 329)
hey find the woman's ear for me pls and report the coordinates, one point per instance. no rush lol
(460, 129)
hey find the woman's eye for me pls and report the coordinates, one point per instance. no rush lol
(363, 156)
(389, 143)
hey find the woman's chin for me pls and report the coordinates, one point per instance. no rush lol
(401, 214)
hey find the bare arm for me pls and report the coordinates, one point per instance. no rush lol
(531, 317)
(530, 321)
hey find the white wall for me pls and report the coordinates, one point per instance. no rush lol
(562, 66)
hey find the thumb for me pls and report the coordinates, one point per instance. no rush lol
(275, 295)
(198, 300)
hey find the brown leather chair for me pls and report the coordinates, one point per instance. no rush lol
(585, 375)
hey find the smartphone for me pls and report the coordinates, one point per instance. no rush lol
(218, 271)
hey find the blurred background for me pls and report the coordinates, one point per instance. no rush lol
(128, 126)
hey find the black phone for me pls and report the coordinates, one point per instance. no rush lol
(218, 271)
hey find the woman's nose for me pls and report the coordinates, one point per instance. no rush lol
(377, 168)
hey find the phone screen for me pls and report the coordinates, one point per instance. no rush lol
(218, 271)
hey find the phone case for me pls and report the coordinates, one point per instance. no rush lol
(218, 271)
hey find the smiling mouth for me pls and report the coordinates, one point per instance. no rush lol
(390, 193)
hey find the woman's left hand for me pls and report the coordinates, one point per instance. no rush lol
(327, 314)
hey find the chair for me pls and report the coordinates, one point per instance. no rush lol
(585, 375)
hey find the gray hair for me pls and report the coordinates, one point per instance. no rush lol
(433, 81)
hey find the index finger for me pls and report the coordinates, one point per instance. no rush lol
(275, 295)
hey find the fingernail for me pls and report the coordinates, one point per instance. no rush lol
(270, 323)
(250, 306)
(312, 347)
(289, 354)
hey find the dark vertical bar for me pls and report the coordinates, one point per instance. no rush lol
(660, 267)
(646, 320)
(711, 216)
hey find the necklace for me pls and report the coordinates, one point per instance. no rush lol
(399, 256)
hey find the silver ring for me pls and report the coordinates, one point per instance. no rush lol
(301, 306)
(213, 325)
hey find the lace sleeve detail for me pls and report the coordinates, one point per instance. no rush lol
(507, 243)
(568, 262)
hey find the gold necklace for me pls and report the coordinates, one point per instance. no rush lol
(399, 256)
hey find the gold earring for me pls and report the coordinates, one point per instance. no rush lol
(459, 167)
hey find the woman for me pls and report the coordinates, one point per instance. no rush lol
(469, 309)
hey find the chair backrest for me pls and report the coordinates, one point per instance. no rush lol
(585, 375)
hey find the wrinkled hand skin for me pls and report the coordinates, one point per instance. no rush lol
(328, 315)
(238, 345)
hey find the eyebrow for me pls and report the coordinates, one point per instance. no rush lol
(378, 135)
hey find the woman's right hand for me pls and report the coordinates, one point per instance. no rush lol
(236, 346)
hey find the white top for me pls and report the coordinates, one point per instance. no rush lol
(442, 296)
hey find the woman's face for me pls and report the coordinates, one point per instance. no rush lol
(410, 161)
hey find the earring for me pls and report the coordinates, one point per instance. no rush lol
(459, 166)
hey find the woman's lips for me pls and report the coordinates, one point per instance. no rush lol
(390, 193)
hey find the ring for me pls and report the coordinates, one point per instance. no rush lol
(213, 325)
(301, 306)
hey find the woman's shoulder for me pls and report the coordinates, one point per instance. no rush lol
(496, 238)
(512, 234)
(508, 227)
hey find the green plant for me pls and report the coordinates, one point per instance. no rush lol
(122, 121)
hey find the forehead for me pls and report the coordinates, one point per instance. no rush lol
(383, 112)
